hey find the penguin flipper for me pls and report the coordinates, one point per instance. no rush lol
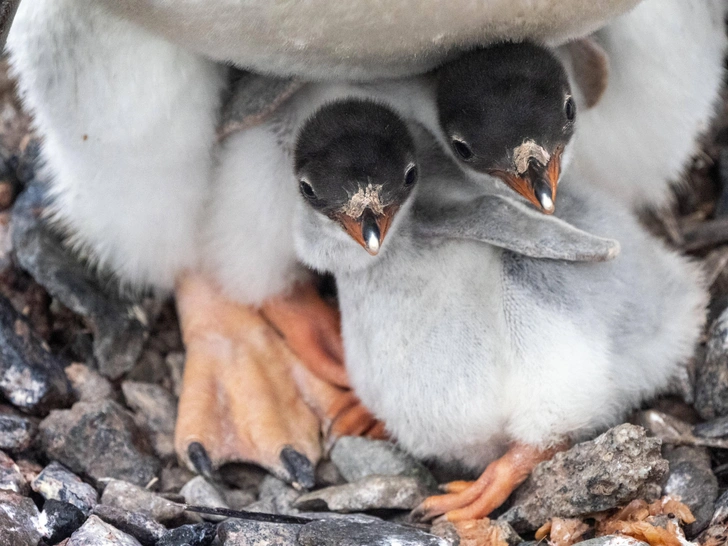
(506, 223)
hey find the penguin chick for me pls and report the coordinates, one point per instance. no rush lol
(507, 110)
(473, 350)
(355, 163)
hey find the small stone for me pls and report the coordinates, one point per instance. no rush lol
(613, 540)
(239, 499)
(720, 514)
(341, 532)
(98, 439)
(357, 457)
(89, 385)
(327, 474)
(31, 378)
(171, 480)
(29, 469)
(370, 493)
(17, 520)
(11, 479)
(717, 428)
(711, 384)
(254, 533)
(56, 482)
(59, 520)
(617, 467)
(16, 430)
(176, 365)
(156, 412)
(199, 534)
(275, 497)
(96, 532)
(199, 492)
(447, 531)
(141, 526)
(127, 496)
(692, 481)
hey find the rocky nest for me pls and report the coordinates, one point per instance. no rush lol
(89, 379)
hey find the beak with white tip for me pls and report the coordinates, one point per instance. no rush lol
(369, 229)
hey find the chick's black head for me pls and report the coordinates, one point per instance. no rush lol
(492, 99)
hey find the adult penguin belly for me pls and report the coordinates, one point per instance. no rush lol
(359, 38)
(127, 100)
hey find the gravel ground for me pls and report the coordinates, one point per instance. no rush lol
(89, 380)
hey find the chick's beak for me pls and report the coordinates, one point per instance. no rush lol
(369, 229)
(538, 182)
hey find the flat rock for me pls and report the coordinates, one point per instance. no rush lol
(199, 492)
(358, 457)
(156, 412)
(16, 430)
(89, 385)
(342, 532)
(127, 496)
(141, 526)
(613, 540)
(276, 497)
(18, 516)
(711, 382)
(620, 465)
(31, 378)
(119, 324)
(370, 493)
(692, 481)
(199, 534)
(96, 532)
(254, 533)
(11, 479)
(59, 520)
(56, 482)
(717, 428)
(99, 439)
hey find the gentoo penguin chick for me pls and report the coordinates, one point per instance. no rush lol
(507, 110)
(355, 163)
(472, 349)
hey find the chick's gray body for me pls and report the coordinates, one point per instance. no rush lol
(461, 347)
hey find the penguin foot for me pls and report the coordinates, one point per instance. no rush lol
(240, 400)
(475, 500)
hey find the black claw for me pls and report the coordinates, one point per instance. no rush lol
(200, 459)
(299, 467)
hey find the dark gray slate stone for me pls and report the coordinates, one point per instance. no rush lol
(254, 533)
(617, 467)
(156, 413)
(17, 520)
(11, 479)
(692, 481)
(99, 439)
(119, 324)
(717, 428)
(59, 520)
(31, 378)
(56, 482)
(711, 384)
(141, 526)
(16, 430)
(358, 457)
(341, 532)
(200, 534)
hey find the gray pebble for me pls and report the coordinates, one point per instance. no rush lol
(239, 499)
(717, 428)
(18, 517)
(156, 411)
(276, 497)
(692, 481)
(16, 430)
(127, 496)
(88, 384)
(720, 514)
(200, 534)
(11, 479)
(56, 482)
(96, 532)
(199, 492)
(254, 533)
(620, 465)
(172, 479)
(59, 520)
(370, 493)
(340, 532)
(141, 526)
(99, 439)
(613, 540)
(358, 457)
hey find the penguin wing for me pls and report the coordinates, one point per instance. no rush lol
(506, 223)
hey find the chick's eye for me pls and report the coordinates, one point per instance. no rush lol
(462, 149)
(307, 190)
(570, 109)
(410, 175)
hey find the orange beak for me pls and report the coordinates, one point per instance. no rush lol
(369, 229)
(538, 184)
